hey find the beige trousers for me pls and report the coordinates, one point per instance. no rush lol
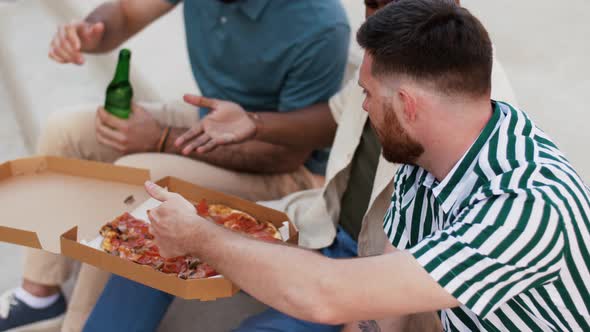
(71, 134)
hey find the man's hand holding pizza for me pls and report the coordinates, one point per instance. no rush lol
(174, 223)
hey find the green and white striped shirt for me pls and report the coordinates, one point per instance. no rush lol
(507, 232)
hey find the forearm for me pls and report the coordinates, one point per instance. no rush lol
(281, 276)
(251, 157)
(116, 27)
(312, 127)
(123, 19)
(312, 287)
(298, 282)
(425, 322)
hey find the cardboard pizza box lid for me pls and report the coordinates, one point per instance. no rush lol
(43, 197)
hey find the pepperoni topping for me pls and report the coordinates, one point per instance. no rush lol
(203, 208)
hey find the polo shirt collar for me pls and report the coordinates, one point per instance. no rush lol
(447, 191)
(253, 8)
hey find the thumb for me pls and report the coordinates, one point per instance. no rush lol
(91, 30)
(157, 192)
(201, 101)
(153, 222)
(98, 28)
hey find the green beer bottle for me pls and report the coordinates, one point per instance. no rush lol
(119, 92)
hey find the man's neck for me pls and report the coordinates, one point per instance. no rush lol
(453, 138)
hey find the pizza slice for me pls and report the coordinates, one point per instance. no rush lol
(238, 221)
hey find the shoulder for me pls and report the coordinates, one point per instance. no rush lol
(554, 184)
(307, 19)
(520, 157)
(324, 13)
(516, 144)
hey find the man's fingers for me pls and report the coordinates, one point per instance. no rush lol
(201, 101)
(153, 217)
(59, 51)
(154, 229)
(72, 36)
(110, 134)
(90, 35)
(209, 146)
(111, 120)
(64, 41)
(197, 142)
(105, 141)
(74, 41)
(157, 192)
(55, 57)
(191, 133)
(68, 43)
(94, 30)
(223, 139)
(86, 30)
(109, 137)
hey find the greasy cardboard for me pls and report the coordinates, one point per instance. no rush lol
(52, 203)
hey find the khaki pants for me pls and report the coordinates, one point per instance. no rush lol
(71, 134)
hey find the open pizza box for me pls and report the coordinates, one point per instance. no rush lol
(59, 205)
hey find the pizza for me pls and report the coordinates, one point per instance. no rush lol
(129, 238)
(238, 221)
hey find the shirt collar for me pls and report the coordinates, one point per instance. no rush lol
(253, 8)
(446, 192)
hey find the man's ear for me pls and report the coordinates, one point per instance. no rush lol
(407, 103)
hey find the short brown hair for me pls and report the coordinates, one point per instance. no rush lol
(431, 40)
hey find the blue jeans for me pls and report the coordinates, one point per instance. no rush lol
(128, 306)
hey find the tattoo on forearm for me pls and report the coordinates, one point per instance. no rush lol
(369, 326)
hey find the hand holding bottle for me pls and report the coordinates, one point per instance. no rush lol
(72, 39)
(139, 133)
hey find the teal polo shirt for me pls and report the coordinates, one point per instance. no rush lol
(268, 55)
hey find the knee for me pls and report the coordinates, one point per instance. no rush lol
(145, 161)
(128, 161)
(137, 160)
(52, 133)
(61, 129)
